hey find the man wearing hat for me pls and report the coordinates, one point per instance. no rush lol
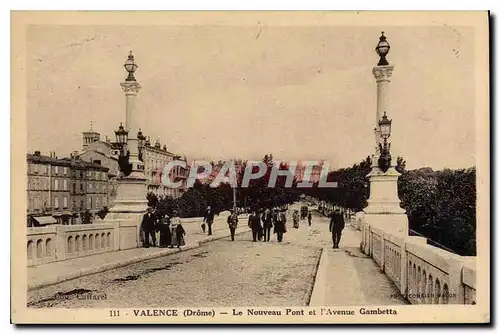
(232, 222)
(148, 227)
(336, 226)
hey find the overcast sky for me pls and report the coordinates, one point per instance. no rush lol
(219, 92)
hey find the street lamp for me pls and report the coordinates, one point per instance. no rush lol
(382, 50)
(384, 161)
(123, 159)
(121, 135)
(131, 67)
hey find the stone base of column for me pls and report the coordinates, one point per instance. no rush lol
(383, 210)
(396, 224)
(129, 207)
(130, 195)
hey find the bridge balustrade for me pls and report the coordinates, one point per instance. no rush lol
(424, 274)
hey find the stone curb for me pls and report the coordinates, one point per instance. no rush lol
(122, 263)
(318, 297)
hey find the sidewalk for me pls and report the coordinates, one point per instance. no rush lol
(55, 272)
(346, 276)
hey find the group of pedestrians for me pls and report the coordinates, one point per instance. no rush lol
(171, 231)
(261, 223)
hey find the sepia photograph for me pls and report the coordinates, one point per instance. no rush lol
(250, 167)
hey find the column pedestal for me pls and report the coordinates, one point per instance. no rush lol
(383, 210)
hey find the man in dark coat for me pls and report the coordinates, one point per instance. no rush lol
(254, 224)
(337, 224)
(163, 226)
(148, 227)
(267, 222)
(309, 218)
(209, 219)
(232, 222)
(279, 224)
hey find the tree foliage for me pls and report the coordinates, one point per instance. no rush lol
(441, 205)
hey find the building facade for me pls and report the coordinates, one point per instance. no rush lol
(48, 188)
(58, 189)
(155, 158)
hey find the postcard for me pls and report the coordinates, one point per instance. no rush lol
(258, 167)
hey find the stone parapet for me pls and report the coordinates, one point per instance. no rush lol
(424, 274)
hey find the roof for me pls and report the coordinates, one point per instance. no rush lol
(104, 155)
(45, 220)
(44, 159)
(80, 164)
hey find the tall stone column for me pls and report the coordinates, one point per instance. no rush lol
(131, 201)
(382, 74)
(131, 89)
(383, 210)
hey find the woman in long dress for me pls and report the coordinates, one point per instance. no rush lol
(177, 231)
(164, 228)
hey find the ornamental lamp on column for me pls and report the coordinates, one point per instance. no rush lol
(121, 135)
(131, 67)
(384, 161)
(382, 50)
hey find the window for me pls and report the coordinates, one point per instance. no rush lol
(90, 203)
(56, 184)
(47, 169)
(65, 202)
(81, 187)
(65, 170)
(56, 202)
(65, 184)
(56, 169)
(74, 187)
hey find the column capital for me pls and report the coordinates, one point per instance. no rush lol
(130, 87)
(383, 73)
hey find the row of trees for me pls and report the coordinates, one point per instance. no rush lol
(195, 200)
(441, 205)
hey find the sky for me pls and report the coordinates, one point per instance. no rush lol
(218, 92)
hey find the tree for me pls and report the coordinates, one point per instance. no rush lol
(152, 199)
(400, 165)
(103, 212)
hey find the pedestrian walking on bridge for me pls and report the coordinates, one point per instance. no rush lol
(254, 224)
(309, 218)
(267, 222)
(163, 226)
(177, 231)
(280, 224)
(232, 222)
(337, 224)
(209, 219)
(148, 227)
